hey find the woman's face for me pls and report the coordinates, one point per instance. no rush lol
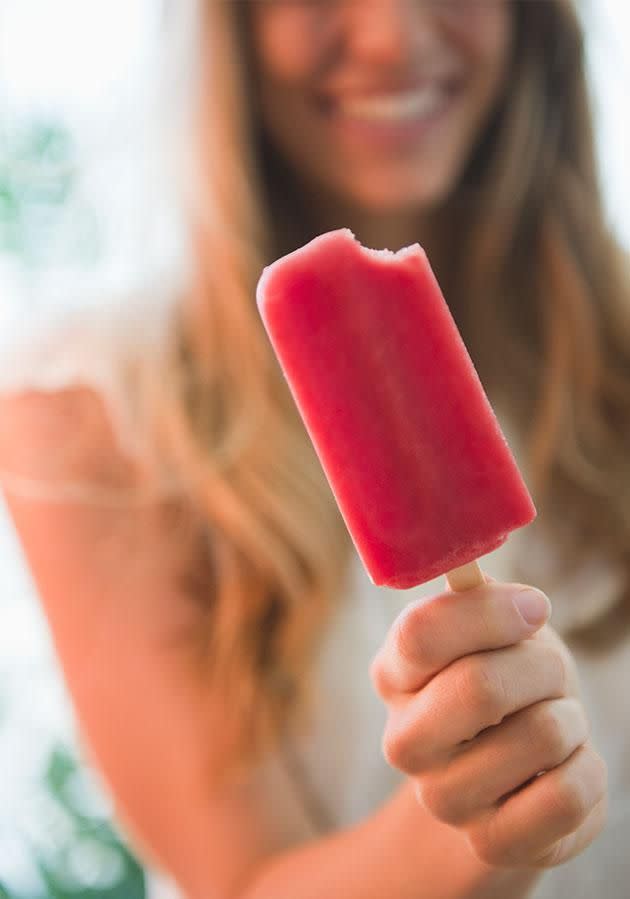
(379, 102)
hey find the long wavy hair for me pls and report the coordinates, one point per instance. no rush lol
(540, 292)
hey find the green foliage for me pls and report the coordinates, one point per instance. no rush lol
(46, 218)
(38, 178)
(87, 860)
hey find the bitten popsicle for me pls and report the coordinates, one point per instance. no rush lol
(410, 445)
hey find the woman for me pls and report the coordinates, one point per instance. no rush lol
(216, 635)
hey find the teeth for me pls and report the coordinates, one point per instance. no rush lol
(400, 107)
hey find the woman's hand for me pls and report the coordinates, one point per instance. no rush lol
(482, 697)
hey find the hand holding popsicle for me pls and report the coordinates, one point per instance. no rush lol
(483, 696)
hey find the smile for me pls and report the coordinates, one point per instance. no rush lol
(418, 105)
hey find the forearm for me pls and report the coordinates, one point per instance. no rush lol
(399, 852)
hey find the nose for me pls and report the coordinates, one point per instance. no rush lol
(388, 32)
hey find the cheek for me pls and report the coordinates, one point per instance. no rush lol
(487, 40)
(292, 43)
(285, 42)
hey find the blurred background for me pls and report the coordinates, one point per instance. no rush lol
(87, 209)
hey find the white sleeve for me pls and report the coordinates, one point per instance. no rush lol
(56, 341)
(64, 326)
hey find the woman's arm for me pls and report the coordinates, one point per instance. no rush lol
(110, 585)
(399, 852)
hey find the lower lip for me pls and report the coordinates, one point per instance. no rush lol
(402, 134)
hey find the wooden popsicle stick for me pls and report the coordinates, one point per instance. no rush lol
(466, 577)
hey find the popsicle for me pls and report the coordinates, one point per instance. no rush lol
(407, 438)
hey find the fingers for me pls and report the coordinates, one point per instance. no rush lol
(430, 635)
(483, 716)
(572, 845)
(472, 694)
(502, 759)
(550, 819)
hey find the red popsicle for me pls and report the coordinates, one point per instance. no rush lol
(413, 452)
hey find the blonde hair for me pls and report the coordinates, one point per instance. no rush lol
(536, 265)
(542, 293)
(271, 550)
(538, 291)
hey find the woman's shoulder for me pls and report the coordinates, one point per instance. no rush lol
(51, 340)
(68, 409)
(68, 360)
(62, 445)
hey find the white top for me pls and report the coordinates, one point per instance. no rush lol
(344, 777)
(61, 327)
(342, 769)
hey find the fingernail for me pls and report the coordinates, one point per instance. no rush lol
(533, 605)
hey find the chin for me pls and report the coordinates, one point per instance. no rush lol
(387, 197)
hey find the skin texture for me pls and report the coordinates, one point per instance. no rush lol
(458, 717)
(119, 626)
(466, 681)
(481, 702)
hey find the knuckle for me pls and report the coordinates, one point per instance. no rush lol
(598, 776)
(583, 786)
(378, 675)
(437, 799)
(391, 747)
(398, 748)
(481, 690)
(583, 728)
(564, 667)
(575, 843)
(412, 633)
(552, 857)
(486, 847)
(571, 803)
(550, 734)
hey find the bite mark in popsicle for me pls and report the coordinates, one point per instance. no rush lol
(415, 457)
